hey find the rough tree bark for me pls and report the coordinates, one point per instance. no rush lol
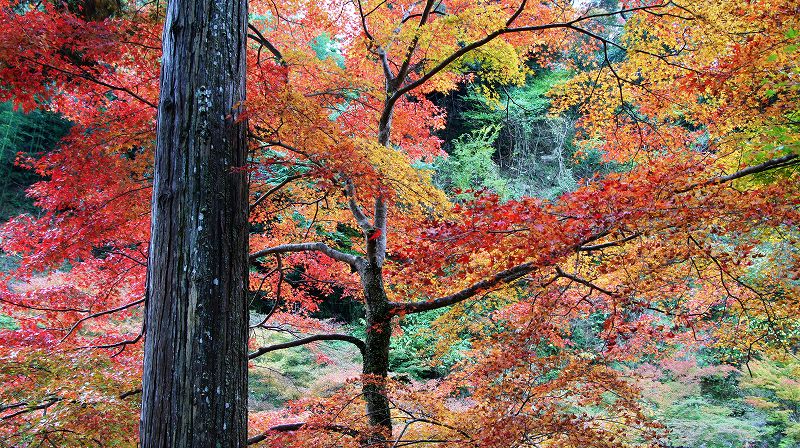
(376, 354)
(195, 365)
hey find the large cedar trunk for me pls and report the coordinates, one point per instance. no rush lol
(195, 364)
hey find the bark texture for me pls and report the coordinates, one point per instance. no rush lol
(195, 365)
(376, 353)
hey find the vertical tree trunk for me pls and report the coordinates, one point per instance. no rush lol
(376, 355)
(379, 326)
(195, 365)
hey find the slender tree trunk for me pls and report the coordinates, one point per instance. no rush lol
(195, 364)
(376, 355)
(379, 319)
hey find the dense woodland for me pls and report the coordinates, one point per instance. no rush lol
(471, 223)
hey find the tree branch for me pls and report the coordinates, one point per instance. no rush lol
(516, 13)
(317, 337)
(378, 237)
(289, 427)
(124, 343)
(352, 260)
(587, 283)
(129, 393)
(780, 162)
(87, 76)
(400, 90)
(46, 404)
(507, 30)
(5, 407)
(402, 72)
(585, 248)
(279, 270)
(98, 314)
(518, 271)
(358, 214)
(387, 70)
(272, 190)
(258, 37)
(51, 401)
(506, 276)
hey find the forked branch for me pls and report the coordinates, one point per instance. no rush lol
(261, 40)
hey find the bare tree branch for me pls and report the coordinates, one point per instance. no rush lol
(258, 37)
(279, 270)
(516, 13)
(358, 214)
(585, 248)
(506, 276)
(780, 162)
(42, 406)
(584, 282)
(98, 314)
(47, 403)
(129, 393)
(272, 190)
(317, 337)
(352, 260)
(289, 427)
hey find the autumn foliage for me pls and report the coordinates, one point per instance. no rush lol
(693, 240)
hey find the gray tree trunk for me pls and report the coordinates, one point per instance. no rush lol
(195, 364)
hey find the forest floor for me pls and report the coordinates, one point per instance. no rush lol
(317, 369)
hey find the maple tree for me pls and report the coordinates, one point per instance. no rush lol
(701, 111)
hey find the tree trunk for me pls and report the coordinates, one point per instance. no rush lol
(376, 356)
(379, 318)
(195, 364)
